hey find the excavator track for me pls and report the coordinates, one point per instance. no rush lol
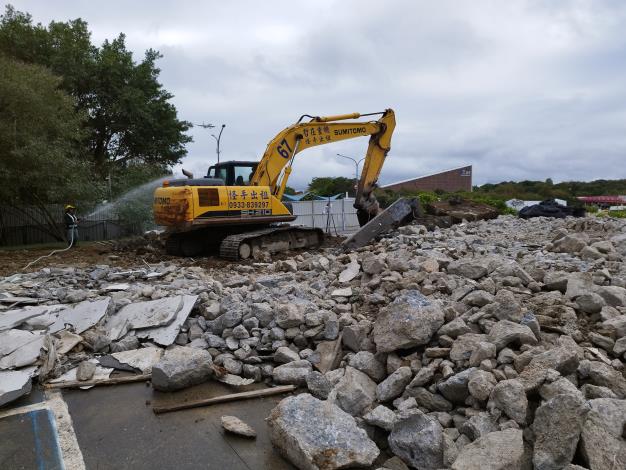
(271, 240)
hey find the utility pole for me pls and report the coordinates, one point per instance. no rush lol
(356, 166)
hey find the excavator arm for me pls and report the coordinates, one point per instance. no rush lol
(275, 166)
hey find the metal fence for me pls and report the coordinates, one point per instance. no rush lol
(338, 215)
(31, 225)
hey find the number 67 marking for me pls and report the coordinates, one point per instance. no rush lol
(281, 151)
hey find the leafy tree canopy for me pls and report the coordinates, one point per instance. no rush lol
(129, 114)
(540, 190)
(329, 186)
(39, 128)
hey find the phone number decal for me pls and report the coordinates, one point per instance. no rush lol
(248, 204)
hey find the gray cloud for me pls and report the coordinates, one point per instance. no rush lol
(520, 89)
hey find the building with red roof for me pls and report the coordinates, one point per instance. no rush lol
(603, 201)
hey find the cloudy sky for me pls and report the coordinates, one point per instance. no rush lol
(521, 89)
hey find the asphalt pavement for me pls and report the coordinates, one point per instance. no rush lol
(116, 429)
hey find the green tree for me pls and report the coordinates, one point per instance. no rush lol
(540, 190)
(129, 114)
(131, 117)
(289, 190)
(39, 135)
(329, 186)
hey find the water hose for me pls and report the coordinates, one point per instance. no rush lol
(51, 253)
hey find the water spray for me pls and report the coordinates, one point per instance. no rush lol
(132, 194)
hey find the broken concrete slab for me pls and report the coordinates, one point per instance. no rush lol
(354, 393)
(116, 287)
(494, 451)
(14, 384)
(234, 380)
(85, 370)
(14, 300)
(181, 367)
(315, 434)
(294, 373)
(418, 441)
(25, 355)
(150, 314)
(66, 341)
(382, 417)
(557, 427)
(329, 354)
(10, 340)
(344, 292)
(81, 316)
(236, 426)
(101, 373)
(165, 335)
(141, 359)
(47, 358)
(13, 318)
(410, 320)
(350, 272)
(42, 322)
(602, 442)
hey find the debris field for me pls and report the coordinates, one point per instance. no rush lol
(495, 344)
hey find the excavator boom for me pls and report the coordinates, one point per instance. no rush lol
(275, 165)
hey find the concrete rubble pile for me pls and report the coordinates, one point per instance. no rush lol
(488, 345)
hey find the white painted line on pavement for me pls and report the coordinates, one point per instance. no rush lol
(72, 455)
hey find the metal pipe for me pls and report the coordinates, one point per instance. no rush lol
(338, 117)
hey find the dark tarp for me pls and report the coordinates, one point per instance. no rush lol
(550, 208)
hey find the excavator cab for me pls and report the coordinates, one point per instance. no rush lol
(233, 173)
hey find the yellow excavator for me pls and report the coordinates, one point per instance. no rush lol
(237, 209)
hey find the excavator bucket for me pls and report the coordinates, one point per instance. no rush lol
(401, 212)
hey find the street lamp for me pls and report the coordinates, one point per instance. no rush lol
(217, 139)
(356, 166)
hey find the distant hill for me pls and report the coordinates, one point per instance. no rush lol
(539, 190)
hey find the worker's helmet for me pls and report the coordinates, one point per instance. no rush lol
(69, 206)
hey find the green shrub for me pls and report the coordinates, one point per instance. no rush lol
(497, 203)
(386, 198)
(618, 214)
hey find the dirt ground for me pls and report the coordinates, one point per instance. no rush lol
(14, 260)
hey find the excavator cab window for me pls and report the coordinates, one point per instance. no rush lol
(242, 175)
(233, 173)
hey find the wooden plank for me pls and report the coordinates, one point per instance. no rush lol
(225, 398)
(95, 383)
